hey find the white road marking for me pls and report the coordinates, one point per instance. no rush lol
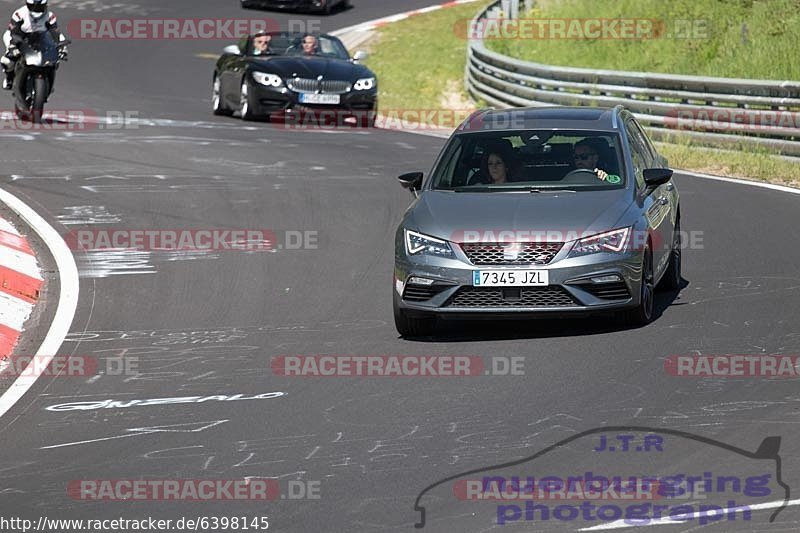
(174, 428)
(67, 298)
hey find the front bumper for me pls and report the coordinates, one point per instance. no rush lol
(569, 293)
(270, 101)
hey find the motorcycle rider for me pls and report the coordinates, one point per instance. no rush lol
(33, 17)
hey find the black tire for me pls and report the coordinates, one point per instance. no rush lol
(642, 314)
(413, 326)
(217, 105)
(38, 100)
(672, 277)
(245, 102)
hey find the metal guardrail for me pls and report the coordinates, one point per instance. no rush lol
(717, 112)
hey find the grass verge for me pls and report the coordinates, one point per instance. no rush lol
(731, 38)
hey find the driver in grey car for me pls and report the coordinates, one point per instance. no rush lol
(586, 156)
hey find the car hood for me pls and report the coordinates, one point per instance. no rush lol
(447, 215)
(311, 67)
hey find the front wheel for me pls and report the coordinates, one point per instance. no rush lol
(672, 277)
(245, 105)
(642, 314)
(217, 105)
(38, 97)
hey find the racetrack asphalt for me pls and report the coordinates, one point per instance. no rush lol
(208, 324)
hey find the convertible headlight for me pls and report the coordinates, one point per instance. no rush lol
(364, 84)
(270, 80)
(614, 241)
(417, 243)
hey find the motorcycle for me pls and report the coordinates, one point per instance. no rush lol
(35, 74)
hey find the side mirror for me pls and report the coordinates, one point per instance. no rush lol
(654, 177)
(232, 49)
(412, 180)
(360, 55)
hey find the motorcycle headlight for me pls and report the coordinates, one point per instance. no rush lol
(614, 241)
(270, 80)
(417, 243)
(364, 84)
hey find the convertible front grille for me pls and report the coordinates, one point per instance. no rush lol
(523, 253)
(308, 85)
(511, 297)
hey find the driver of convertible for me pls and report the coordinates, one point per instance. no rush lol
(33, 17)
(586, 155)
(261, 44)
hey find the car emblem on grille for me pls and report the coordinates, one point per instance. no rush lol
(511, 251)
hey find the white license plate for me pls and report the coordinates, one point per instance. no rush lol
(310, 98)
(510, 278)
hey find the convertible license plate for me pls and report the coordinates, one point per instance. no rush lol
(510, 278)
(310, 98)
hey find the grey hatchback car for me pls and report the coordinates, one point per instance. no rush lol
(539, 212)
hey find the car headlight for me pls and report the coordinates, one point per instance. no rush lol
(614, 241)
(270, 80)
(417, 243)
(364, 84)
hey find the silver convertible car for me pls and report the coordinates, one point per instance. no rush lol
(554, 211)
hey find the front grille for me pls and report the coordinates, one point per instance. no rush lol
(308, 85)
(421, 293)
(608, 291)
(511, 297)
(523, 253)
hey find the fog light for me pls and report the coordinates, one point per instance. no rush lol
(606, 279)
(414, 280)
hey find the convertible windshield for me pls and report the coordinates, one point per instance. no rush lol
(291, 44)
(531, 161)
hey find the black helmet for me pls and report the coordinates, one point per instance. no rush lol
(36, 7)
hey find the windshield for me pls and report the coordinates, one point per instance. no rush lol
(530, 160)
(298, 44)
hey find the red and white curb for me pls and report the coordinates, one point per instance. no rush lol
(17, 299)
(20, 281)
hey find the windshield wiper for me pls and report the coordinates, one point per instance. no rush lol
(473, 188)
